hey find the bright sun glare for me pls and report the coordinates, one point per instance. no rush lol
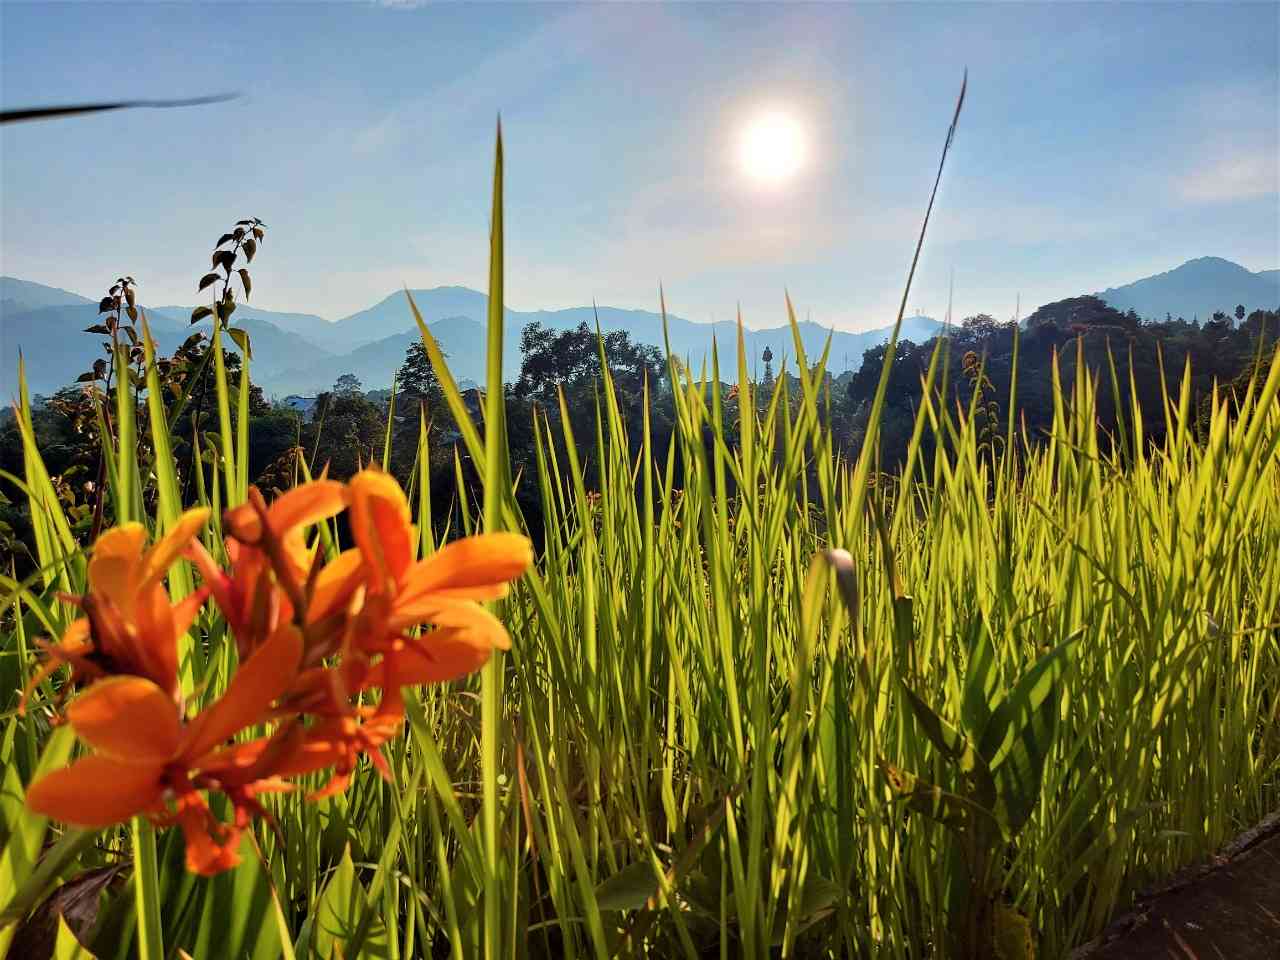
(772, 148)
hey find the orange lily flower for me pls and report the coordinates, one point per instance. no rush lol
(131, 626)
(254, 601)
(145, 755)
(311, 638)
(443, 590)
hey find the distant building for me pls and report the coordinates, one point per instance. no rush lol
(303, 405)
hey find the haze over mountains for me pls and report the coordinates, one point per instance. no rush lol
(304, 353)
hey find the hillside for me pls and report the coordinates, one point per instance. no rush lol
(1196, 289)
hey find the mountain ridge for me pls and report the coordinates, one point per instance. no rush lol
(304, 353)
(1197, 288)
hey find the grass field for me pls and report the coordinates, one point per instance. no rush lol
(759, 700)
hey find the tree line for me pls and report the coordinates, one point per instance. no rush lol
(559, 385)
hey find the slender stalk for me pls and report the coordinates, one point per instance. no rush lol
(146, 887)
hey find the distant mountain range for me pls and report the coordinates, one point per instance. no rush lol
(1197, 289)
(303, 353)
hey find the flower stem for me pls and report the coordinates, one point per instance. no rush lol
(146, 882)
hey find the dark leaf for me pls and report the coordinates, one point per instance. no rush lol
(87, 377)
(244, 278)
(250, 248)
(199, 313)
(224, 259)
(224, 238)
(48, 113)
(629, 888)
(258, 232)
(244, 223)
(238, 233)
(74, 904)
(115, 290)
(129, 295)
(133, 313)
(207, 279)
(100, 368)
(107, 304)
(96, 328)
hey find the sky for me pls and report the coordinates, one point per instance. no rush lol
(1099, 143)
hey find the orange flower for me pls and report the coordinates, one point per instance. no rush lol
(312, 638)
(145, 754)
(443, 590)
(130, 627)
(269, 566)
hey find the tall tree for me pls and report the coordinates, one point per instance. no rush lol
(571, 359)
(347, 384)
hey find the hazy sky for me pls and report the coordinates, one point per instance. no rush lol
(1099, 143)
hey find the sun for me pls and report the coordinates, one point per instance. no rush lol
(772, 147)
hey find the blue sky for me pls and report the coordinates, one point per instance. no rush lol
(1099, 144)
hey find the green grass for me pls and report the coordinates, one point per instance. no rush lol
(681, 755)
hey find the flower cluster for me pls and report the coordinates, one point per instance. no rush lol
(324, 650)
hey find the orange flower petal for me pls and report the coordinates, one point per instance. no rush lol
(457, 614)
(437, 657)
(113, 568)
(307, 504)
(335, 584)
(97, 792)
(158, 560)
(325, 745)
(127, 719)
(212, 847)
(72, 648)
(337, 784)
(76, 636)
(156, 643)
(380, 524)
(483, 561)
(243, 523)
(257, 760)
(257, 682)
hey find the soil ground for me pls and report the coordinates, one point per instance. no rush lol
(1227, 910)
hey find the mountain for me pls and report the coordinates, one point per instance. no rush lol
(275, 350)
(391, 314)
(316, 330)
(303, 353)
(18, 296)
(47, 326)
(375, 363)
(54, 346)
(391, 321)
(1197, 288)
(462, 337)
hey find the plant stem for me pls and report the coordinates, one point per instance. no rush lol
(146, 885)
